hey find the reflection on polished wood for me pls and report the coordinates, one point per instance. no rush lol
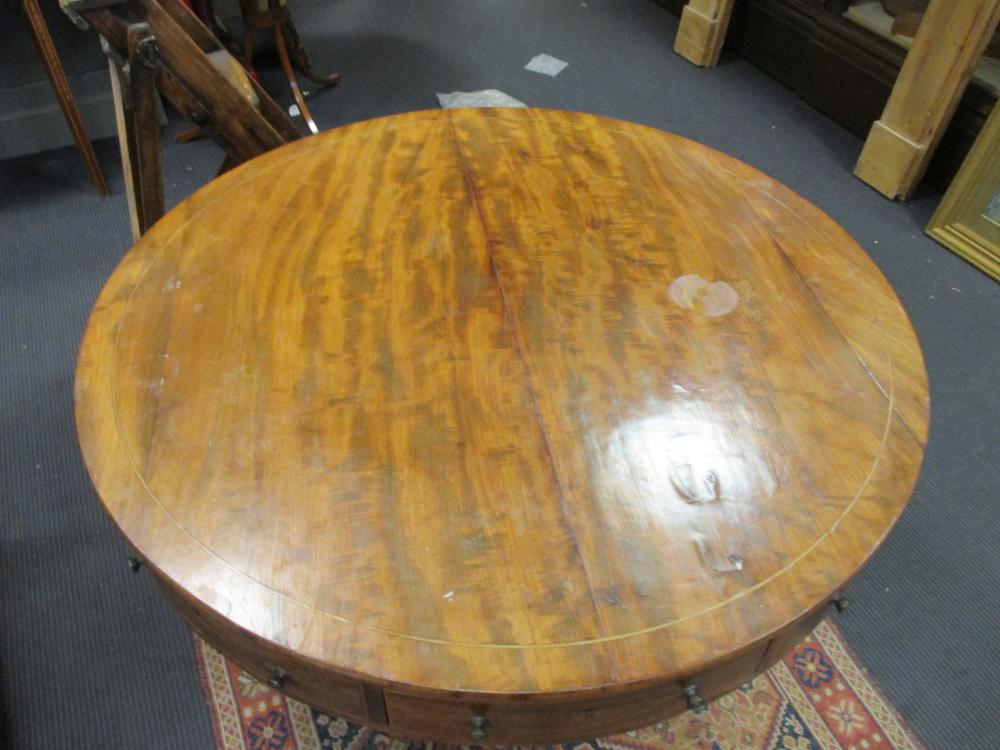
(501, 425)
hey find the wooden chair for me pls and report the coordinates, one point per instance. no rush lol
(159, 45)
(292, 54)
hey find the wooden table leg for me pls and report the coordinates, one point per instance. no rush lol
(57, 77)
(291, 52)
(301, 59)
(702, 30)
(949, 43)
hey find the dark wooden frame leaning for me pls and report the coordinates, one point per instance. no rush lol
(159, 45)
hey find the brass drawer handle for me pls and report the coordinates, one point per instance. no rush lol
(693, 697)
(842, 602)
(477, 733)
(277, 680)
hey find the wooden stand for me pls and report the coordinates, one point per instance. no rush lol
(160, 45)
(949, 42)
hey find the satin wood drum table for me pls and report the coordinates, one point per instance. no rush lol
(500, 426)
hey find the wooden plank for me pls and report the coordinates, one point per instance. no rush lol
(64, 94)
(142, 64)
(192, 25)
(274, 114)
(702, 31)
(204, 38)
(846, 72)
(111, 27)
(950, 41)
(126, 147)
(188, 105)
(235, 119)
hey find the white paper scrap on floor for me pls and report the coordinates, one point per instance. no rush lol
(547, 65)
(484, 98)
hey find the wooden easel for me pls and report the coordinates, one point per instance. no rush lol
(159, 45)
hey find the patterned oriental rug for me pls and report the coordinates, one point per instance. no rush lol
(818, 698)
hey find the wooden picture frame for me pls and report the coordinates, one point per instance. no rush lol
(968, 220)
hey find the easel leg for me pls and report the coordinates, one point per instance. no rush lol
(57, 76)
(286, 66)
(145, 125)
(126, 142)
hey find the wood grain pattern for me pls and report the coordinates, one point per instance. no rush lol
(206, 40)
(426, 407)
(126, 144)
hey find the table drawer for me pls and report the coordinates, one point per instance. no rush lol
(791, 637)
(546, 721)
(525, 721)
(337, 695)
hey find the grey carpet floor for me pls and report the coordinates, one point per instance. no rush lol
(92, 657)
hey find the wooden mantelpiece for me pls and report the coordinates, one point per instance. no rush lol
(842, 69)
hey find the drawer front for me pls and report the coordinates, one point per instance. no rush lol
(547, 721)
(337, 695)
(500, 722)
(790, 637)
(524, 722)
(727, 676)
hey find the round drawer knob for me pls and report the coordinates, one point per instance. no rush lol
(477, 733)
(842, 603)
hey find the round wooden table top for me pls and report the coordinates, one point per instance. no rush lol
(501, 402)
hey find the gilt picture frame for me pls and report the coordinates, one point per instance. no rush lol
(968, 220)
